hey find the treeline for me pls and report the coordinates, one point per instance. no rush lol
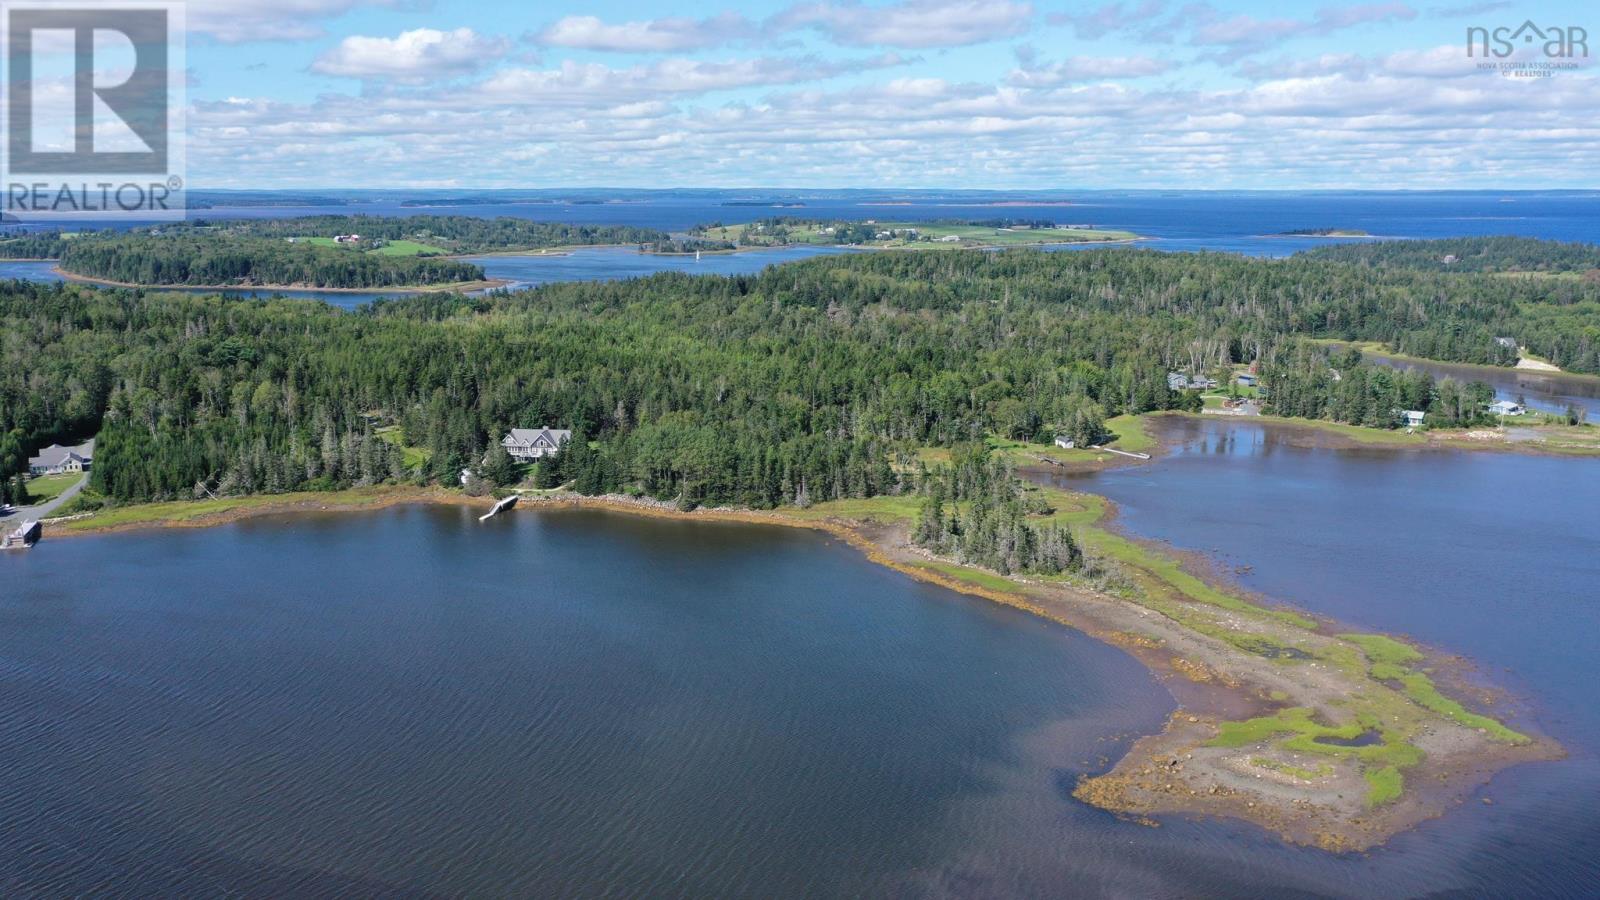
(1480, 254)
(460, 234)
(189, 257)
(44, 245)
(686, 245)
(976, 511)
(806, 382)
(1309, 382)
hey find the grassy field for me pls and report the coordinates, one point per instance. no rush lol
(1131, 435)
(178, 512)
(410, 457)
(392, 248)
(48, 487)
(409, 248)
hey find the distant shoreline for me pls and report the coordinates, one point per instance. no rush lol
(452, 287)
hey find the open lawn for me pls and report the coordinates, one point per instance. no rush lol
(48, 487)
(409, 248)
(392, 248)
(410, 457)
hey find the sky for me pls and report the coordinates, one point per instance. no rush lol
(1002, 94)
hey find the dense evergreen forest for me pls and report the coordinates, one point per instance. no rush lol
(182, 257)
(809, 381)
(976, 511)
(686, 245)
(1489, 254)
(458, 234)
(449, 234)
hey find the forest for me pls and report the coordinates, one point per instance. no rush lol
(976, 511)
(1486, 254)
(458, 234)
(809, 381)
(179, 257)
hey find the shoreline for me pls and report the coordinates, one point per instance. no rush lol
(486, 284)
(1531, 440)
(1376, 349)
(1192, 629)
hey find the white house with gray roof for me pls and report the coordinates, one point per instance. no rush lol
(56, 459)
(535, 443)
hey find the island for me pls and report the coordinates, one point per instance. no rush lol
(1323, 232)
(916, 405)
(786, 231)
(319, 252)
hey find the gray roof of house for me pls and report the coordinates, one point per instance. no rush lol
(529, 435)
(55, 454)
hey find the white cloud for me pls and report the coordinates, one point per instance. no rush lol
(237, 21)
(412, 57)
(1104, 20)
(1087, 68)
(937, 23)
(1415, 118)
(575, 83)
(648, 36)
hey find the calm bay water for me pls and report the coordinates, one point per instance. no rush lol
(545, 704)
(560, 703)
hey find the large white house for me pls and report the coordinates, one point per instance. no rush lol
(56, 459)
(535, 443)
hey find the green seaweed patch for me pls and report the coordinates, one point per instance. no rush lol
(1420, 687)
(1303, 734)
(1382, 649)
(1384, 785)
(1393, 661)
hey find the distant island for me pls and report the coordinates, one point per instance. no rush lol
(774, 204)
(929, 234)
(319, 252)
(1323, 232)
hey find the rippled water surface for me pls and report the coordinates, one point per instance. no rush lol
(545, 703)
(411, 702)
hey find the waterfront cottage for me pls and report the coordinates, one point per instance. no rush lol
(58, 460)
(1065, 442)
(535, 443)
(1413, 417)
(1506, 408)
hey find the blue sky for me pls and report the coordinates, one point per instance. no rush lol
(938, 93)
